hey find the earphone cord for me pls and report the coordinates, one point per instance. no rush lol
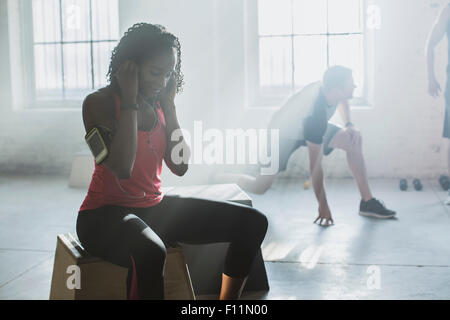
(158, 194)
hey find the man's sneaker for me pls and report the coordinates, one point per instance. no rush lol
(375, 208)
(447, 201)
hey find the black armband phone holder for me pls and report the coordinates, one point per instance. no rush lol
(98, 140)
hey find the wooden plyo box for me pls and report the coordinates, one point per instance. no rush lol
(101, 280)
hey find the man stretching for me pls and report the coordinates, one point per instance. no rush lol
(303, 121)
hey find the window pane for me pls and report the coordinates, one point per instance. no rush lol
(344, 16)
(47, 72)
(310, 59)
(105, 19)
(77, 69)
(275, 62)
(102, 57)
(46, 24)
(274, 17)
(310, 16)
(348, 51)
(76, 21)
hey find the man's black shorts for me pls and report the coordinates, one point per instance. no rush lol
(288, 146)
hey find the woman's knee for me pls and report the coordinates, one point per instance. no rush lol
(151, 250)
(256, 221)
(262, 221)
(156, 251)
(144, 242)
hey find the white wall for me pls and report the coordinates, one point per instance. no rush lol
(402, 131)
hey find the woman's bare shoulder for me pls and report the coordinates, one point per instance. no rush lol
(99, 99)
(99, 109)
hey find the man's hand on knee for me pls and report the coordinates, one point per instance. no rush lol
(355, 138)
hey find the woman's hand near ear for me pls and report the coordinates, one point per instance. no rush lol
(167, 100)
(127, 77)
(167, 95)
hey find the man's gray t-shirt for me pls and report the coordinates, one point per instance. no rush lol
(305, 115)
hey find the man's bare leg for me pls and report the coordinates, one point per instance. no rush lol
(357, 165)
(350, 141)
(355, 161)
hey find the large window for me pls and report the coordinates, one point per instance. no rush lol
(72, 43)
(299, 39)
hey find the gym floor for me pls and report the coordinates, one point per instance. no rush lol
(357, 258)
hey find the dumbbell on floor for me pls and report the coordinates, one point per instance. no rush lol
(403, 184)
(417, 184)
(444, 181)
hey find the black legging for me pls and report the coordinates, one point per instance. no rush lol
(122, 234)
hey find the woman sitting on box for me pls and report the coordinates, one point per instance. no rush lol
(125, 218)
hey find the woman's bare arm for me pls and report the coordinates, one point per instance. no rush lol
(123, 146)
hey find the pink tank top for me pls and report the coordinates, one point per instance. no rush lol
(143, 188)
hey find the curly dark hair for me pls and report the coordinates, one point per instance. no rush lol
(140, 42)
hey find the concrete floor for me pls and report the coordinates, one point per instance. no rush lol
(357, 258)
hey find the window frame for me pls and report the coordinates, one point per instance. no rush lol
(29, 82)
(254, 99)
